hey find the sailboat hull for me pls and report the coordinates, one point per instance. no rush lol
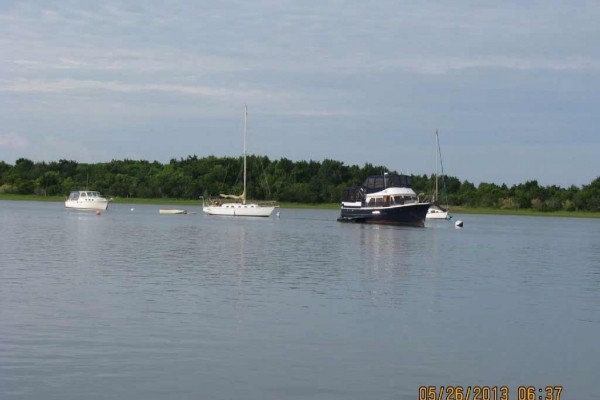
(239, 210)
(436, 212)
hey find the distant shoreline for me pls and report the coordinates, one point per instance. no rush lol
(324, 206)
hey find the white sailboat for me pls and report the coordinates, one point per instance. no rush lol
(240, 208)
(435, 210)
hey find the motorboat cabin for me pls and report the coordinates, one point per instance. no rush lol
(86, 200)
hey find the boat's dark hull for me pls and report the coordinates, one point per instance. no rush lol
(410, 214)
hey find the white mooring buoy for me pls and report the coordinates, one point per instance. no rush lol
(458, 224)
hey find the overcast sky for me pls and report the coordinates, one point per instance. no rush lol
(512, 86)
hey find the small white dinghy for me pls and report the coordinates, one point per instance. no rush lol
(172, 211)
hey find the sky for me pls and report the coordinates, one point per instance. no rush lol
(513, 87)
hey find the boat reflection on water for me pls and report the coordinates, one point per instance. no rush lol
(385, 256)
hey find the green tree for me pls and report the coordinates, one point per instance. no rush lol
(589, 196)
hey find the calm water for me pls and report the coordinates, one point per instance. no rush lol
(136, 305)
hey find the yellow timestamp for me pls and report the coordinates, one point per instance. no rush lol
(453, 392)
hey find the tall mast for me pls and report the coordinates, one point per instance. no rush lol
(437, 151)
(245, 127)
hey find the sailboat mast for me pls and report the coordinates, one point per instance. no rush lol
(245, 128)
(437, 152)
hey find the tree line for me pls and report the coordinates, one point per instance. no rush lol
(282, 180)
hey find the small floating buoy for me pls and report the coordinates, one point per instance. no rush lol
(98, 213)
(277, 214)
(132, 208)
(458, 224)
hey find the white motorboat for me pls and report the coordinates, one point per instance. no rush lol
(435, 210)
(239, 208)
(86, 200)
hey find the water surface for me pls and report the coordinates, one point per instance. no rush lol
(133, 304)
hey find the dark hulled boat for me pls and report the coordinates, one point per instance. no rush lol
(383, 199)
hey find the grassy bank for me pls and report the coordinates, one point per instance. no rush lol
(326, 206)
(198, 202)
(31, 197)
(161, 201)
(526, 212)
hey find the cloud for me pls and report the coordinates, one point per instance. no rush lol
(13, 141)
(69, 63)
(495, 72)
(64, 85)
(449, 64)
(54, 147)
(198, 40)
